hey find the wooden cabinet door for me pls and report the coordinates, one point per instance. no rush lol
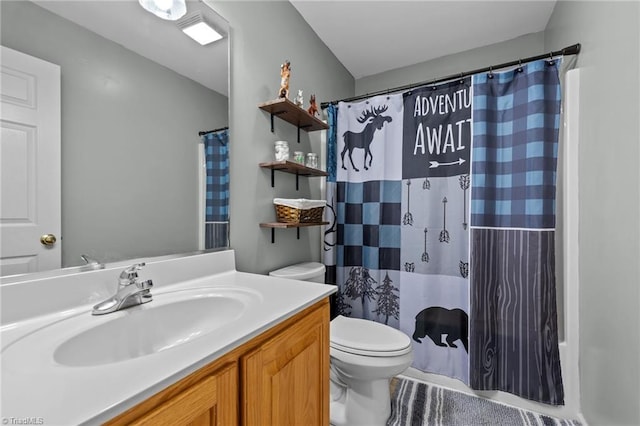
(212, 401)
(286, 380)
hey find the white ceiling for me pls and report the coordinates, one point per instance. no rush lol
(370, 37)
(126, 23)
(367, 36)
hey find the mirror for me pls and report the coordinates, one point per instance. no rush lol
(135, 93)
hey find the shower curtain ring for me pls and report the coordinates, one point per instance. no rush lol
(519, 69)
(551, 61)
(490, 75)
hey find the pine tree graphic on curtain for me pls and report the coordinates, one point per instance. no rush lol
(360, 284)
(388, 302)
(342, 307)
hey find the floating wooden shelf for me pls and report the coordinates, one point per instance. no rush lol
(288, 111)
(291, 225)
(293, 167)
(292, 113)
(286, 225)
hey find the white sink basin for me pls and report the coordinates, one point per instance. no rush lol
(170, 320)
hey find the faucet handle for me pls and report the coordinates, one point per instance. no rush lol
(144, 285)
(91, 263)
(131, 273)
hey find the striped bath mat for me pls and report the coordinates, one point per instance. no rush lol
(415, 403)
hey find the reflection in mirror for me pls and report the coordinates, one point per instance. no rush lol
(216, 150)
(135, 93)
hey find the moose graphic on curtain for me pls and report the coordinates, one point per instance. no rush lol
(374, 121)
(430, 189)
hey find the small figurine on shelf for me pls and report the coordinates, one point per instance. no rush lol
(313, 108)
(285, 73)
(299, 99)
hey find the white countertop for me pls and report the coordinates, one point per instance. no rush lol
(35, 386)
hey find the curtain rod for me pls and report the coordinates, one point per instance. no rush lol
(570, 50)
(206, 132)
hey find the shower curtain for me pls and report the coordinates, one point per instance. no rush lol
(441, 203)
(217, 188)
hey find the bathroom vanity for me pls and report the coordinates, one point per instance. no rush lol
(215, 346)
(280, 377)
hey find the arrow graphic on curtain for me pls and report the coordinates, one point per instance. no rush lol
(435, 164)
(444, 234)
(408, 217)
(465, 181)
(425, 255)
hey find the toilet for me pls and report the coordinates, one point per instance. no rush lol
(364, 354)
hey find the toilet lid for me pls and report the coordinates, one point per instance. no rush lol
(364, 337)
(300, 271)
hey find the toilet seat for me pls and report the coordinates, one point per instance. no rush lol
(300, 271)
(367, 338)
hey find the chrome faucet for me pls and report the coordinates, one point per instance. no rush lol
(131, 292)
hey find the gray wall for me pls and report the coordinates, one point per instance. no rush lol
(263, 35)
(129, 140)
(609, 202)
(506, 51)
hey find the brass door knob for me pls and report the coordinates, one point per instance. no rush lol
(48, 239)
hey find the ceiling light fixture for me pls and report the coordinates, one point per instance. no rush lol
(171, 10)
(198, 29)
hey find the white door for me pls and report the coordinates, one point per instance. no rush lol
(29, 164)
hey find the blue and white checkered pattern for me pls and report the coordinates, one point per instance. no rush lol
(217, 164)
(516, 117)
(369, 215)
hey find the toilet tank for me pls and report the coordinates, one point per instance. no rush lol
(307, 271)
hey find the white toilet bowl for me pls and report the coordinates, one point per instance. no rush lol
(364, 354)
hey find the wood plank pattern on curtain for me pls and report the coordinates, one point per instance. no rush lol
(513, 344)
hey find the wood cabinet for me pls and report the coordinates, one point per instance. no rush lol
(286, 380)
(210, 402)
(281, 378)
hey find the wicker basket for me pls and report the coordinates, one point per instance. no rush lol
(290, 214)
